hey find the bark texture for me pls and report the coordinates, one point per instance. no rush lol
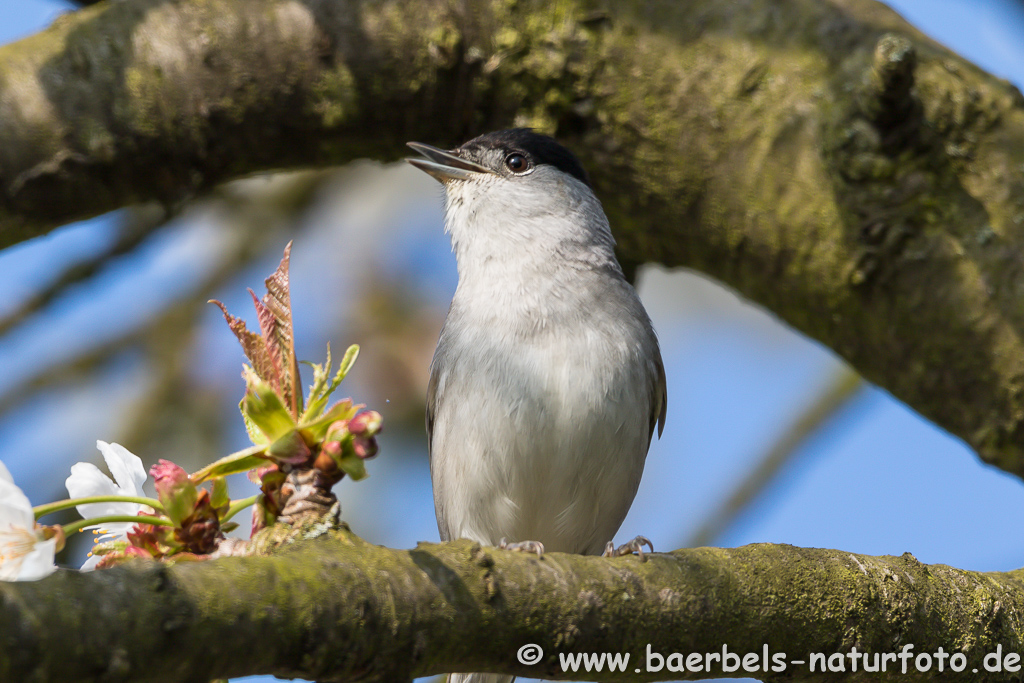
(334, 608)
(821, 157)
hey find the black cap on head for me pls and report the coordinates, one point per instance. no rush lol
(541, 149)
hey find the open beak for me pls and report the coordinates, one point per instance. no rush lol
(444, 166)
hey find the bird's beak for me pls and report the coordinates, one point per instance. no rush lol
(444, 166)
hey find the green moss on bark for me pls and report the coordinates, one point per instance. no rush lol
(335, 608)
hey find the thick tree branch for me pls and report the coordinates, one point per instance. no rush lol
(823, 158)
(339, 609)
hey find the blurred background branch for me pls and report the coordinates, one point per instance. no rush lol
(135, 226)
(841, 389)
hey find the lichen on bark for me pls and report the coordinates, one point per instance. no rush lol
(328, 606)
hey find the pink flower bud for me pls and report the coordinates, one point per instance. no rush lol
(166, 475)
(366, 423)
(338, 430)
(175, 490)
(365, 448)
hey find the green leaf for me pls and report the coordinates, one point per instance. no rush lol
(320, 392)
(352, 465)
(347, 361)
(290, 448)
(242, 461)
(255, 435)
(316, 430)
(262, 405)
(314, 408)
(316, 389)
(321, 373)
(220, 497)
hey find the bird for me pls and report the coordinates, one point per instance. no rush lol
(547, 383)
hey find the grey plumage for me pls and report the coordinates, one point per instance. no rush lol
(547, 382)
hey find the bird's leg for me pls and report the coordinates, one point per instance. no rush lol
(523, 547)
(634, 546)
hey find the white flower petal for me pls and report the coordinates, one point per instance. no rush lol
(15, 509)
(24, 555)
(10, 567)
(90, 563)
(15, 544)
(87, 480)
(39, 562)
(126, 467)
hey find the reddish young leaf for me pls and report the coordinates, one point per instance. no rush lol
(268, 327)
(272, 352)
(278, 301)
(253, 345)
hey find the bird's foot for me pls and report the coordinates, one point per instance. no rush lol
(634, 546)
(523, 547)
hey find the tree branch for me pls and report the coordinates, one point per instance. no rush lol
(134, 229)
(823, 158)
(339, 609)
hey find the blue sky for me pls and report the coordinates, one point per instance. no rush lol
(877, 480)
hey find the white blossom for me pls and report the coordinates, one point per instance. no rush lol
(87, 480)
(25, 554)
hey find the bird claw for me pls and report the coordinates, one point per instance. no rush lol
(523, 547)
(634, 546)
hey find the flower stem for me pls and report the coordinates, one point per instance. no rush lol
(46, 509)
(137, 519)
(237, 506)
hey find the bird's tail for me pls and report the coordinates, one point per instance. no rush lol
(480, 678)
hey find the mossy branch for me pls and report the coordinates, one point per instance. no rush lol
(823, 158)
(334, 608)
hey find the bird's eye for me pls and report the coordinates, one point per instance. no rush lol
(516, 163)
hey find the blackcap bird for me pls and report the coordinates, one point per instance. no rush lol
(547, 382)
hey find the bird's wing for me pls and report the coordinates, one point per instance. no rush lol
(431, 406)
(432, 398)
(659, 397)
